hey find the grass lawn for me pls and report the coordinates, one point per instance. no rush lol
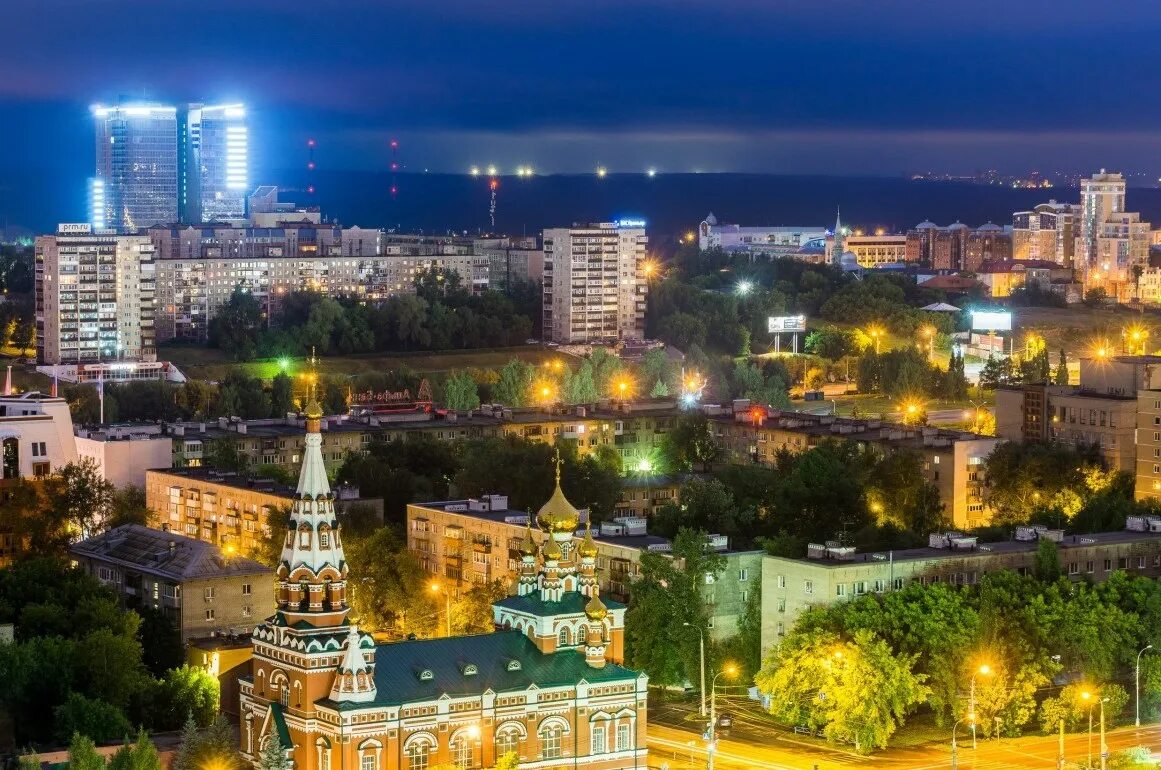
(872, 405)
(1078, 329)
(210, 364)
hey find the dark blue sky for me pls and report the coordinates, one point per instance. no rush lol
(793, 86)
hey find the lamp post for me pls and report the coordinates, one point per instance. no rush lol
(701, 655)
(435, 589)
(1104, 746)
(986, 670)
(729, 670)
(971, 718)
(1137, 683)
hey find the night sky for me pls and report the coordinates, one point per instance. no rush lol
(791, 86)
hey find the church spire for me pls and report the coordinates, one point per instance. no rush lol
(313, 570)
(836, 254)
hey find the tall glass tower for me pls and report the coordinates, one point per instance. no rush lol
(137, 160)
(215, 149)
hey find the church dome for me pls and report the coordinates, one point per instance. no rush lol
(313, 411)
(558, 515)
(588, 547)
(596, 609)
(552, 550)
(528, 546)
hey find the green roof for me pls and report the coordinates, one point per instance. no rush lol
(573, 603)
(398, 666)
(280, 726)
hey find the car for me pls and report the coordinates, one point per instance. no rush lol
(725, 720)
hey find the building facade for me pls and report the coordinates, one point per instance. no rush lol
(1048, 232)
(94, 296)
(594, 283)
(758, 240)
(833, 574)
(873, 251)
(214, 150)
(547, 686)
(123, 454)
(197, 587)
(957, 247)
(1101, 196)
(136, 181)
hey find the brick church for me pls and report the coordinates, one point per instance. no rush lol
(547, 685)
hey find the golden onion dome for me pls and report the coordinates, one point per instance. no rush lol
(528, 547)
(588, 547)
(552, 550)
(596, 609)
(558, 514)
(313, 411)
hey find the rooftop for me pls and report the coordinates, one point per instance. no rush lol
(824, 426)
(165, 554)
(504, 661)
(240, 481)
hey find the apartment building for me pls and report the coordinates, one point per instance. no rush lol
(474, 541)
(759, 240)
(957, 247)
(226, 509)
(594, 283)
(94, 296)
(124, 453)
(200, 589)
(831, 573)
(1048, 232)
(951, 460)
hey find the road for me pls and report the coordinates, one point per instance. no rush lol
(683, 749)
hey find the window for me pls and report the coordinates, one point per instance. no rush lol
(1140, 562)
(860, 588)
(208, 593)
(368, 761)
(563, 639)
(1108, 564)
(304, 538)
(324, 540)
(782, 605)
(781, 629)
(743, 575)
(781, 581)
(1088, 567)
(550, 736)
(246, 610)
(745, 596)
(210, 614)
(808, 587)
(245, 589)
(324, 757)
(898, 584)
(105, 574)
(507, 741)
(880, 585)
(1073, 568)
(419, 754)
(840, 589)
(623, 743)
(461, 751)
(599, 744)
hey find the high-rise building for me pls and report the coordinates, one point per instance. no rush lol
(158, 163)
(94, 296)
(594, 282)
(1100, 197)
(137, 160)
(1046, 232)
(214, 146)
(957, 246)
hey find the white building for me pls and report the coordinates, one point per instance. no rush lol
(124, 453)
(594, 282)
(1100, 197)
(768, 241)
(94, 296)
(1046, 232)
(36, 436)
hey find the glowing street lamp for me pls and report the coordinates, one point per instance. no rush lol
(743, 288)
(875, 333)
(283, 363)
(729, 670)
(983, 670)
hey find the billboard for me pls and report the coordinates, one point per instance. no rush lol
(991, 321)
(787, 324)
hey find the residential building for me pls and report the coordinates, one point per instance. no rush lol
(123, 453)
(226, 509)
(548, 685)
(957, 247)
(201, 590)
(1070, 415)
(36, 436)
(1047, 232)
(136, 182)
(831, 573)
(1002, 277)
(1122, 247)
(766, 241)
(94, 296)
(1101, 197)
(951, 460)
(227, 659)
(594, 283)
(214, 150)
(511, 261)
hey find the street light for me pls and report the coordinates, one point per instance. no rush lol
(983, 670)
(729, 670)
(743, 288)
(435, 589)
(874, 332)
(971, 719)
(1104, 748)
(1137, 682)
(701, 656)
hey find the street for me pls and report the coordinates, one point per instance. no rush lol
(682, 748)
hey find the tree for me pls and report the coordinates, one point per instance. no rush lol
(390, 591)
(656, 366)
(89, 717)
(281, 395)
(188, 690)
(1061, 375)
(996, 372)
(955, 384)
(514, 384)
(582, 387)
(225, 454)
(472, 611)
(1047, 566)
(461, 392)
(83, 754)
(509, 761)
(24, 336)
(690, 444)
(706, 505)
(830, 343)
(659, 390)
(128, 507)
(856, 691)
(237, 325)
(662, 602)
(79, 495)
(273, 755)
(145, 753)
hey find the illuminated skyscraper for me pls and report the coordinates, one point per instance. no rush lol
(136, 181)
(157, 164)
(214, 146)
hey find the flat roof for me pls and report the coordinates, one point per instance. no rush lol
(235, 480)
